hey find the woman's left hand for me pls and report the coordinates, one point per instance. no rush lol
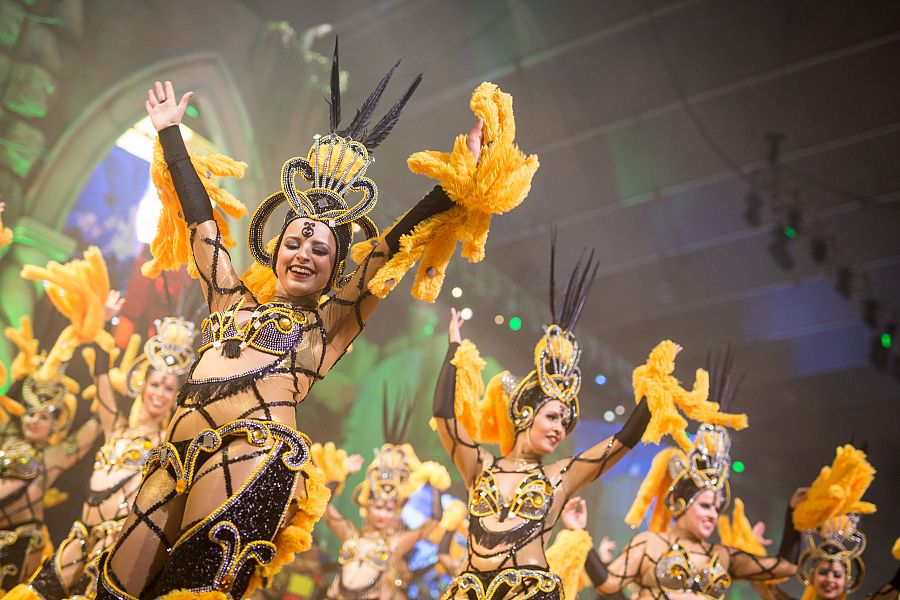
(759, 532)
(574, 514)
(114, 302)
(475, 138)
(164, 111)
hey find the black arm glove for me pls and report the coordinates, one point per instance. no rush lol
(634, 427)
(194, 200)
(101, 361)
(595, 568)
(790, 540)
(444, 545)
(437, 509)
(445, 390)
(333, 486)
(436, 201)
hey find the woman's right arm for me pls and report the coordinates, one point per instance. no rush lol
(465, 453)
(219, 279)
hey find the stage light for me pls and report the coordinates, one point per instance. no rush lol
(871, 308)
(499, 319)
(738, 467)
(778, 248)
(600, 379)
(456, 292)
(844, 283)
(466, 313)
(515, 323)
(753, 213)
(609, 416)
(620, 410)
(818, 248)
(789, 232)
(192, 111)
(114, 320)
(887, 335)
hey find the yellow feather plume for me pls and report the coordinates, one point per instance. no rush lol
(483, 413)
(738, 533)
(566, 556)
(332, 462)
(654, 487)
(171, 247)
(54, 497)
(665, 396)
(498, 183)
(432, 473)
(28, 358)
(895, 551)
(260, 279)
(837, 490)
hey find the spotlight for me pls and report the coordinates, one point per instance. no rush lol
(456, 292)
(778, 248)
(609, 416)
(878, 354)
(738, 466)
(466, 313)
(499, 319)
(818, 248)
(600, 379)
(887, 335)
(871, 308)
(620, 410)
(515, 323)
(844, 283)
(753, 212)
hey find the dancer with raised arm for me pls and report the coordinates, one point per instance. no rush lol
(515, 499)
(270, 336)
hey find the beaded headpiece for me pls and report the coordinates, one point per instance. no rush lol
(837, 539)
(335, 166)
(556, 375)
(170, 351)
(388, 475)
(707, 468)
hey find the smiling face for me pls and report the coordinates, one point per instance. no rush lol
(305, 259)
(829, 580)
(37, 426)
(382, 514)
(159, 394)
(548, 428)
(701, 518)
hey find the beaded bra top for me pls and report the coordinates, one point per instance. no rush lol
(376, 555)
(20, 462)
(675, 572)
(131, 455)
(273, 328)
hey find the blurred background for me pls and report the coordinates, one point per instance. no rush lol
(734, 164)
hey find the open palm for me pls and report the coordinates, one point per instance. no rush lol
(162, 108)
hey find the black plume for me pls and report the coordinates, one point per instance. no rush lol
(357, 128)
(387, 122)
(395, 423)
(577, 287)
(335, 103)
(723, 387)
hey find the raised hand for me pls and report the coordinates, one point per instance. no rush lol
(354, 463)
(162, 108)
(574, 514)
(798, 496)
(606, 549)
(456, 322)
(759, 532)
(475, 138)
(113, 305)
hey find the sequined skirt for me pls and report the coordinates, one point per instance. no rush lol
(517, 583)
(16, 547)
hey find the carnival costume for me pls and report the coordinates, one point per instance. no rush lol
(230, 496)
(659, 561)
(119, 461)
(508, 531)
(78, 289)
(372, 560)
(829, 517)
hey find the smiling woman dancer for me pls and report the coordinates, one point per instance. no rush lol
(515, 500)
(230, 495)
